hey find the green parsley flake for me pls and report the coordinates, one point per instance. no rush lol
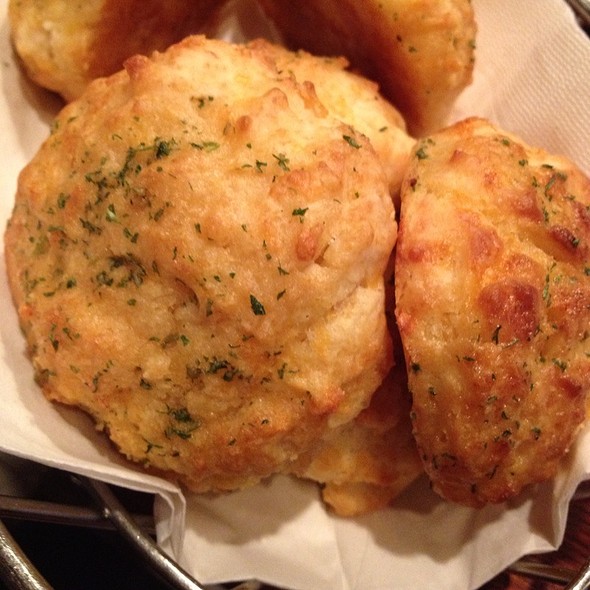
(206, 146)
(351, 141)
(282, 161)
(163, 148)
(300, 212)
(256, 306)
(421, 153)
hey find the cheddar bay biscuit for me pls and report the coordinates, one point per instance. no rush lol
(493, 306)
(197, 254)
(365, 464)
(65, 45)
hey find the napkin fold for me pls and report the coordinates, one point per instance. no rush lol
(532, 77)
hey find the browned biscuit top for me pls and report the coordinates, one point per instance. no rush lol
(197, 256)
(493, 305)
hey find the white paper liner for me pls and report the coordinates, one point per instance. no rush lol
(533, 78)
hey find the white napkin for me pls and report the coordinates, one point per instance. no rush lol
(532, 77)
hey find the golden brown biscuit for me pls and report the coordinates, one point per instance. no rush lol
(197, 257)
(421, 52)
(493, 307)
(64, 45)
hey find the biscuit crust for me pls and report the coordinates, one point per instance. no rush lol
(355, 99)
(493, 307)
(197, 256)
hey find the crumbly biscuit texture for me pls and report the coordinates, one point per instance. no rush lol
(356, 100)
(493, 306)
(421, 52)
(364, 465)
(197, 256)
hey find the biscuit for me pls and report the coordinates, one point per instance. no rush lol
(196, 254)
(493, 307)
(65, 45)
(420, 52)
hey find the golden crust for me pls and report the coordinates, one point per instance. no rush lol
(64, 45)
(493, 307)
(421, 52)
(191, 252)
(356, 100)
